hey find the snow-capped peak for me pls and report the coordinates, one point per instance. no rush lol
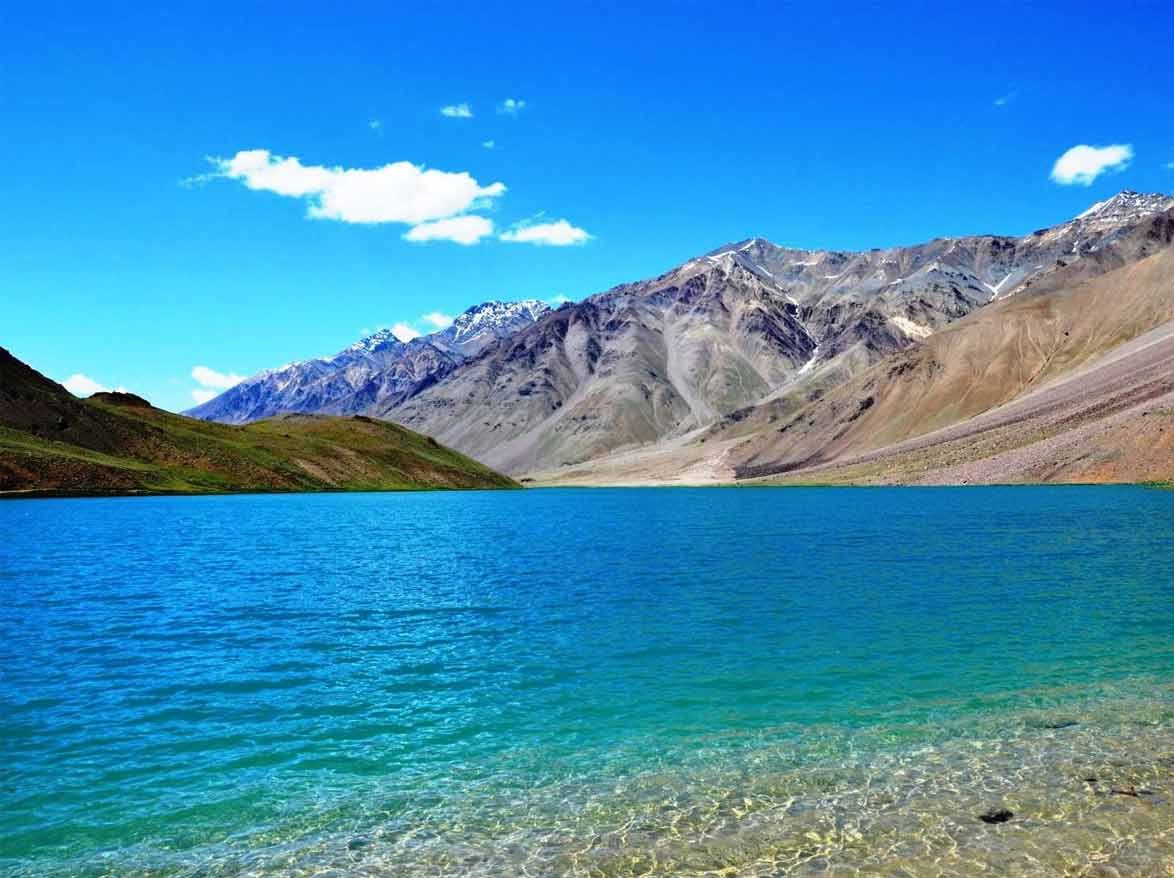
(735, 247)
(494, 317)
(333, 383)
(1126, 206)
(382, 338)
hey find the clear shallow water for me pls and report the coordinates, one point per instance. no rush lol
(607, 682)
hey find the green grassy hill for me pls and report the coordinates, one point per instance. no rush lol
(52, 442)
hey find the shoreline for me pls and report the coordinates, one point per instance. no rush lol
(54, 494)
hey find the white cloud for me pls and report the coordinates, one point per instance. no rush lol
(212, 383)
(400, 192)
(83, 385)
(1170, 166)
(465, 230)
(488, 144)
(559, 233)
(1003, 100)
(556, 301)
(376, 125)
(457, 111)
(511, 106)
(405, 331)
(219, 380)
(1082, 164)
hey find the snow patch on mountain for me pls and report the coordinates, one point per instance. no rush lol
(911, 328)
(1125, 207)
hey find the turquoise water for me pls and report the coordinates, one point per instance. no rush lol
(588, 682)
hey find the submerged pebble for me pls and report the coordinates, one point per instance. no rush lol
(1001, 815)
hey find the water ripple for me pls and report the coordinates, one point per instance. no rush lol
(588, 683)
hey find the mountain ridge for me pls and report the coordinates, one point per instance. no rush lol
(378, 367)
(654, 360)
(1070, 380)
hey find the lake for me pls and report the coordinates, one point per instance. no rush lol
(589, 682)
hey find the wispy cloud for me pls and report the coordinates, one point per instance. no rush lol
(1082, 164)
(511, 106)
(556, 301)
(376, 125)
(1170, 166)
(400, 192)
(559, 233)
(457, 111)
(488, 144)
(467, 230)
(405, 331)
(437, 320)
(195, 181)
(1003, 100)
(212, 383)
(83, 385)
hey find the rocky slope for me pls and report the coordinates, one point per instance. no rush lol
(1111, 420)
(1050, 330)
(1072, 379)
(378, 371)
(734, 329)
(52, 442)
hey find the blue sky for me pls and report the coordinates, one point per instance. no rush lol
(658, 131)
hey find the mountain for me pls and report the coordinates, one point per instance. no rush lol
(1071, 379)
(627, 366)
(1001, 365)
(730, 342)
(377, 371)
(51, 441)
(731, 330)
